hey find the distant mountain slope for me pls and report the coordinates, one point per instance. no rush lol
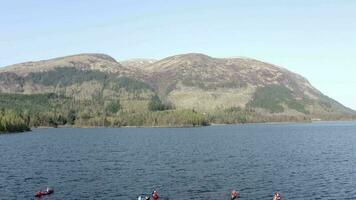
(74, 74)
(100, 62)
(205, 83)
(224, 89)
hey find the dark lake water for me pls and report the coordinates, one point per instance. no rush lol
(301, 161)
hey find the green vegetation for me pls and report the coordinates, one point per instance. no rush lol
(51, 110)
(40, 109)
(66, 76)
(131, 85)
(237, 115)
(169, 118)
(113, 107)
(156, 104)
(11, 77)
(273, 97)
(21, 111)
(31, 103)
(71, 117)
(233, 115)
(11, 121)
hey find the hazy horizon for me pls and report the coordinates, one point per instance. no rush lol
(312, 38)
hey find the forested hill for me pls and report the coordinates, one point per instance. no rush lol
(181, 90)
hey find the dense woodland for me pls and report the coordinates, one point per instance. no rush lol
(11, 121)
(19, 112)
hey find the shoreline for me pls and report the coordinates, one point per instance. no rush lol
(187, 126)
(198, 126)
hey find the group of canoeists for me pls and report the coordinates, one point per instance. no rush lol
(233, 195)
(153, 195)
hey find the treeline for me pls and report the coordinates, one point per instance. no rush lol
(18, 112)
(51, 110)
(237, 115)
(168, 118)
(11, 121)
(50, 119)
(234, 115)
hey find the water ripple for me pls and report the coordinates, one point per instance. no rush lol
(301, 161)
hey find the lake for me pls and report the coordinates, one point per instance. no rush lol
(301, 161)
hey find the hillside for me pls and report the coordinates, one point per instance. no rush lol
(207, 84)
(187, 89)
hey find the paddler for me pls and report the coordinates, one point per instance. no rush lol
(233, 195)
(276, 196)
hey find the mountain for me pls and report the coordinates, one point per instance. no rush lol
(139, 63)
(205, 83)
(100, 62)
(186, 89)
(80, 75)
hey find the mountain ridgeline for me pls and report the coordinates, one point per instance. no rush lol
(182, 90)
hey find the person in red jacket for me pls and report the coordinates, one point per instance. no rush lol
(155, 195)
(233, 195)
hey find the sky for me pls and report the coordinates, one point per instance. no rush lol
(314, 38)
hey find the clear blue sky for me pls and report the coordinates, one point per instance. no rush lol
(315, 38)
